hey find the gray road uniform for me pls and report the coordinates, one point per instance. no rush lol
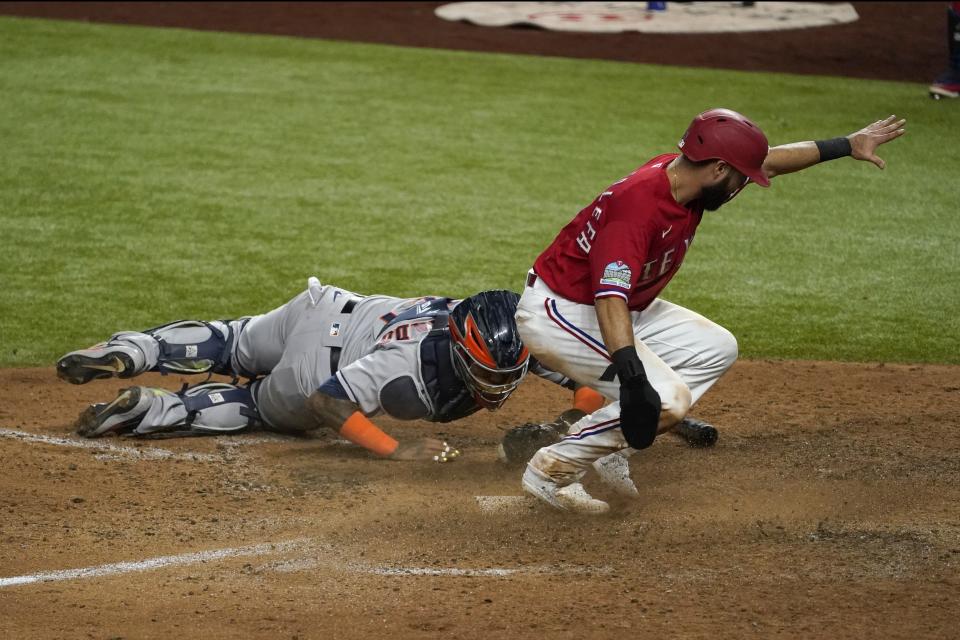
(384, 354)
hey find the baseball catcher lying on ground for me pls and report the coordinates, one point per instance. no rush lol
(328, 358)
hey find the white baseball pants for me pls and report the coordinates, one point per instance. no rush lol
(682, 352)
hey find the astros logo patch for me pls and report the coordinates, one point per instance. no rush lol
(617, 274)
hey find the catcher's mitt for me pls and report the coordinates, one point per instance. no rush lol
(520, 443)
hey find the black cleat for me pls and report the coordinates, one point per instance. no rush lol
(696, 433)
(101, 361)
(124, 413)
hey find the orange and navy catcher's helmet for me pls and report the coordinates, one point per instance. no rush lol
(488, 354)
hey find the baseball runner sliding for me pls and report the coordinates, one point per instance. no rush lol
(591, 308)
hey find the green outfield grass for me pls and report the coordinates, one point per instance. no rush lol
(149, 175)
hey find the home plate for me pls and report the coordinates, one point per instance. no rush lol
(505, 504)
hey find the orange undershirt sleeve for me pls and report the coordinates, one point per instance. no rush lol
(587, 400)
(360, 431)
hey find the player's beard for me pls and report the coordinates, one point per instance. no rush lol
(714, 196)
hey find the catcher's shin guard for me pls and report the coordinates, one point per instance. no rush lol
(205, 409)
(217, 407)
(185, 346)
(193, 346)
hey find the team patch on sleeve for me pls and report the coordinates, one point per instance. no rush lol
(616, 274)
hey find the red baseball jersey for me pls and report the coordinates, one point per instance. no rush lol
(628, 243)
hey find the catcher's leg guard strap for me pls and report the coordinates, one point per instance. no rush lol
(210, 408)
(192, 346)
(219, 408)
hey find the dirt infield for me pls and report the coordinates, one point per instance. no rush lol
(826, 510)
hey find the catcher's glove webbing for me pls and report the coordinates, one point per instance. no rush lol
(520, 443)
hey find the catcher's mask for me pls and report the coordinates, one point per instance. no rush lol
(488, 354)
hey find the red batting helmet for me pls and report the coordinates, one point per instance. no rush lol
(722, 134)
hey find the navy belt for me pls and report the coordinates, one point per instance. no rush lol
(335, 351)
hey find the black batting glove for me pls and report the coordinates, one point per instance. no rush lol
(639, 401)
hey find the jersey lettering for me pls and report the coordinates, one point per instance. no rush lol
(413, 319)
(409, 330)
(666, 261)
(586, 237)
(425, 309)
(647, 266)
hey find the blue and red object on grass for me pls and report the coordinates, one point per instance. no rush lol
(947, 84)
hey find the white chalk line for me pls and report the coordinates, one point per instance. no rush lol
(144, 453)
(118, 452)
(288, 566)
(319, 555)
(310, 564)
(430, 571)
(489, 572)
(150, 564)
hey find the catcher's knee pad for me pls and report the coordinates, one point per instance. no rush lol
(211, 408)
(193, 346)
(219, 408)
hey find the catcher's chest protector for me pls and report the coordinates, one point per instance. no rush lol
(449, 396)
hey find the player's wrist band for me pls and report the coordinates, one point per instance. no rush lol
(359, 430)
(833, 148)
(629, 367)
